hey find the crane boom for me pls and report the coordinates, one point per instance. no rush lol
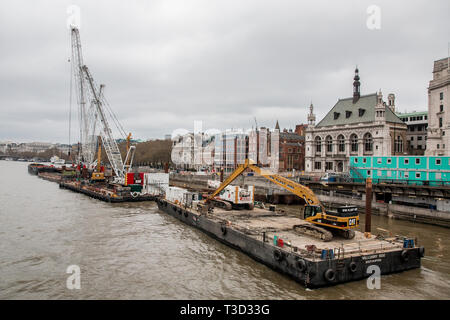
(109, 143)
(77, 63)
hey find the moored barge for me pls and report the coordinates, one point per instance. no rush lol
(270, 238)
(118, 194)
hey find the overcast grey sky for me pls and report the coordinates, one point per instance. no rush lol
(168, 63)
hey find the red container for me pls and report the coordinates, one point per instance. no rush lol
(129, 179)
(280, 242)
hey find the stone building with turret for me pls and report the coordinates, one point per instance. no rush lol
(438, 143)
(361, 125)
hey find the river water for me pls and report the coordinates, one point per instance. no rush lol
(134, 251)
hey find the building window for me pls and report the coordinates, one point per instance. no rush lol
(417, 160)
(341, 143)
(440, 122)
(364, 160)
(354, 142)
(368, 142)
(318, 144)
(441, 96)
(356, 160)
(379, 160)
(419, 138)
(417, 175)
(329, 143)
(336, 115)
(406, 175)
(412, 138)
(317, 165)
(441, 108)
(368, 173)
(438, 162)
(389, 161)
(348, 114)
(398, 145)
(406, 161)
(438, 145)
(329, 166)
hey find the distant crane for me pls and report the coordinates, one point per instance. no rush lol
(98, 113)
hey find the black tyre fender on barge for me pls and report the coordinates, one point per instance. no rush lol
(405, 255)
(353, 266)
(301, 265)
(421, 252)
(223, 228)
(278, 255)
(330, 275)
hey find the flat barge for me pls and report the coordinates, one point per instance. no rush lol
(104, 194)
(36, 168)
(101, 191)
(269, 237)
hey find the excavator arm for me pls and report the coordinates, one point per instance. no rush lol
(229, 180)
(300, 190)
(296, 188)
(314, 213)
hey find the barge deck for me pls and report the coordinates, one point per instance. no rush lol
(269, 237)
(101, 193)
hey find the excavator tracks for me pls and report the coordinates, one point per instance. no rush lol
(222, 204)
(314, 231)
(347, 234)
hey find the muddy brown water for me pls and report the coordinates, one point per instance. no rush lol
(134, 251)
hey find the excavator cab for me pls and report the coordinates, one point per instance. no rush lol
(311, 211)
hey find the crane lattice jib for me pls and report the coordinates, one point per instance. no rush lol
(110, 145)
(87, 116)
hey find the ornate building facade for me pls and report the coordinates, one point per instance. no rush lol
(438, 142)
(356, 126)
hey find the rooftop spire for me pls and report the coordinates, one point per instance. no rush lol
(277, 126)
(311, 116)
(356, 86)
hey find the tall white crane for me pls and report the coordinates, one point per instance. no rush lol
(94, 119)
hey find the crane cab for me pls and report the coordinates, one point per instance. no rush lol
(98, 176)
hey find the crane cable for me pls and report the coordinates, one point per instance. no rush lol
(70, 106)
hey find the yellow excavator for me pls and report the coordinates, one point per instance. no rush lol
(98, 175)
(317, 221)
